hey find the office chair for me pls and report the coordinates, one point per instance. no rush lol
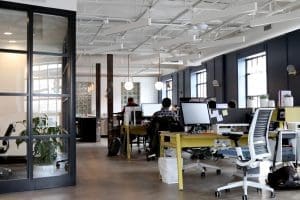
(201, 153)
(159, 124)
(259, 150)
(4, 172)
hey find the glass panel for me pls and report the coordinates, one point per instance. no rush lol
(49, 108)
(13, 72)
(13, 29)
(47, 74)
(12, 110)
(13, 162)
(50, 157)
(49, 33)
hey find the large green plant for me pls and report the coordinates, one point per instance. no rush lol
(44, 149)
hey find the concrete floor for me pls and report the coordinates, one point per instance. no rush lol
(115, 178)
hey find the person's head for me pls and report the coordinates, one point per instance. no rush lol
(130, 100)
(232, 104)
(212, 104)
(166, 103)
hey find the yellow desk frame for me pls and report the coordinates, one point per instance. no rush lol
(139, 130)
(179, 140)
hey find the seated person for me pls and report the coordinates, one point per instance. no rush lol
(161, 120)
(130, 102)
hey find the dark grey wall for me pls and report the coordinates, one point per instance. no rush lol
(280, 51)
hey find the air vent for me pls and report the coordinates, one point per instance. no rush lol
(267, 27)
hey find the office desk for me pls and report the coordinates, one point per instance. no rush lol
(139, 130)
(181, 140)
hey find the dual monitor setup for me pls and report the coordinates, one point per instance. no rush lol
(195, 115)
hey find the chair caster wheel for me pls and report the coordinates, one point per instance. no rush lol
(218, 171)
(217, 194)
(272, 195)
(258, 190)
(202, 174)
(244, 197)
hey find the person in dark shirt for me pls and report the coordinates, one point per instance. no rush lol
(165, 110)
(130, 102)
(163, 117)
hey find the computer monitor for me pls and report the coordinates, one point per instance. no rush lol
(148, 109)
(195, 113)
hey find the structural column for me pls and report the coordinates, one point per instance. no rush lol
(110, 97)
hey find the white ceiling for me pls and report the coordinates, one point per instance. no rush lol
(180, 31)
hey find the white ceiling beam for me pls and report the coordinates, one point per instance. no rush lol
(275, 19)
(183, 57)
(127, 27)
(105, 49)
(177, 41)
(224, 42)
(228, 12)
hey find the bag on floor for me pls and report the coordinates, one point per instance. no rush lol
(284, 178)
(114, 147)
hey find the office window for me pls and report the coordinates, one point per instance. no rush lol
(201, 83)
(169, 87)
(252, 78)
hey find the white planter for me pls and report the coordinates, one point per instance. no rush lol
(43, 170)
(264, 103)
(251, 103)
(271, 103)
(288, 101)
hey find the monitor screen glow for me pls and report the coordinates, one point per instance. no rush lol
(195, 113)
(149, 109)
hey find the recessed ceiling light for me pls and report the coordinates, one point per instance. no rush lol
(12, 41)
(7, 33)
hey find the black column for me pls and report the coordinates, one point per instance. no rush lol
(110, 97)
(98, 97)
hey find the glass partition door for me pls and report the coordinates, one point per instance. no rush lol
(37, 138)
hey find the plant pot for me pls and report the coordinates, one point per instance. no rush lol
(43, 170)
(251, 103)
(264, 103)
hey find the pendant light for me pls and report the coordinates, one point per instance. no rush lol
(159, 85)
(128, 85)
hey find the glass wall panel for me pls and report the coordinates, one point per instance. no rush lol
(13, 162)
(49, 33)
(13, 29)
(50, 157)
(13, 72)
(47, 74)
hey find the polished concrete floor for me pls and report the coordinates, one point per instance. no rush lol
(115, 178)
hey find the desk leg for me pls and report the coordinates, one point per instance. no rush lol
(161, 146)
(179, 162)
(128, 143)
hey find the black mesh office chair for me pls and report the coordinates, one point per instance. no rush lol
(160, 124)
(259, 150)
(4, 172)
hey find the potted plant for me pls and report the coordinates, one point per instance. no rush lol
(44, 149)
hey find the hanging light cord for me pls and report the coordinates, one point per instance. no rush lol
(128, 69)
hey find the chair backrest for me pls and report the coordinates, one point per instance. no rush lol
(258, 141)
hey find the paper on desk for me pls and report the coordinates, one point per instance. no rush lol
(219, 118)
(224, 112)
(214, 113)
